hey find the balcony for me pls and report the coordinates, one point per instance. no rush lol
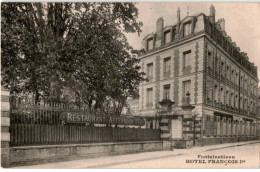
(252, 114)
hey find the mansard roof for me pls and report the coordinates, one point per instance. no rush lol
(214, 30)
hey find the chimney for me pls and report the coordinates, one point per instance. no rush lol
(229, 39)
(245, 55)
(159, 28)
(212, 14)
(178, 20)
(221, 22)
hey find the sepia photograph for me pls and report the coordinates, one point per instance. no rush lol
(130, 85)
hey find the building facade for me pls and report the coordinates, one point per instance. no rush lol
(195, 61)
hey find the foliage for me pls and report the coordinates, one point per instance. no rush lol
(79, 46)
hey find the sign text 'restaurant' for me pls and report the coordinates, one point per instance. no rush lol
(71, 117)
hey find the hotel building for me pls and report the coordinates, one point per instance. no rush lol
(196, 62)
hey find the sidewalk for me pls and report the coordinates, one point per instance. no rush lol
(102, 162)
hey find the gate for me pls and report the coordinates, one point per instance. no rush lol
(176, 128)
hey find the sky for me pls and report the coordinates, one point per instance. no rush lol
(242, 22)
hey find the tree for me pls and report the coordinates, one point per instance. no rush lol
(81, 46)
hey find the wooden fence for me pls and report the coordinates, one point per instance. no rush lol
(41, 124)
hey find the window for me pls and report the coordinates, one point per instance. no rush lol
(186, 88)
(150, 71)
(236, 79)
(150, 44)
(232, 76)
(232, 100)
(216, 93)
(166, 91)
(173, 34)
(150, 97)
(210, 60)
(167, 37)
(209, 94)
(241, 103)
(167, 66)
(216, 65)
(227, 98)
(235, 101)
(223, 68)
(245, 85)
(227, 72)
(222, 95)
(245, 105)
(241, 82)
(187, 29)
(186, 59)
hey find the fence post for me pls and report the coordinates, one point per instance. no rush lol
(5, 124)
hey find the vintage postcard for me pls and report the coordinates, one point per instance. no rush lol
(130, 85)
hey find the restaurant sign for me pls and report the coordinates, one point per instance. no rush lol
(75, 117)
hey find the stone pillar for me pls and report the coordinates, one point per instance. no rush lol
(165, 131)
(165, 117)
(5, 124)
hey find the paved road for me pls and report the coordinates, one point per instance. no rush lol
(234, 155)
(247, 156)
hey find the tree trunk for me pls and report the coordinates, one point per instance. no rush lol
(37, 97)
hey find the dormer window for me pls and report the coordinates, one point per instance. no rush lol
(174, 34)
(167, 37)
(150, 44)
(187, 29)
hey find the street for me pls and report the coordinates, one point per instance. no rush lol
(229, 155)
(246, 156)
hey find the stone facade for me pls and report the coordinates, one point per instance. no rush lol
(222, 81)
